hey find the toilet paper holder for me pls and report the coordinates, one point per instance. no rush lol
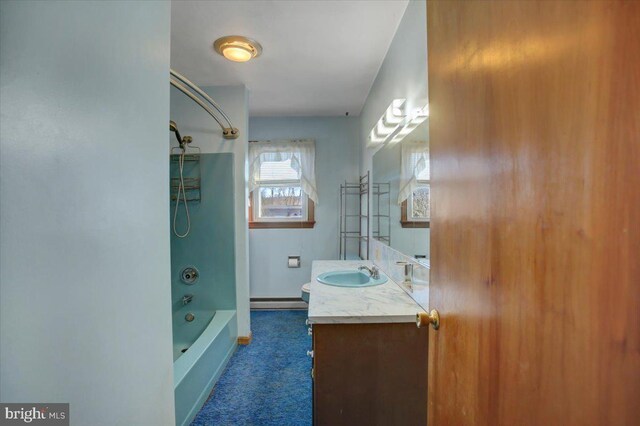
(293, 262)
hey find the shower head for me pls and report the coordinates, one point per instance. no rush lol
(173, 127)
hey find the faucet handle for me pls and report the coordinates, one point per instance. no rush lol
(376, 272)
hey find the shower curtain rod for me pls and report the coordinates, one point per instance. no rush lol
(183, 84)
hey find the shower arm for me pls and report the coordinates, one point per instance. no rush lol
(183, 84)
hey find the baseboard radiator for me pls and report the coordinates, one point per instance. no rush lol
(278, 303)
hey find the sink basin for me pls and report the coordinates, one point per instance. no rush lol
(350, 279)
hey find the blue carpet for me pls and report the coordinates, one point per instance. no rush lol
(267, 382)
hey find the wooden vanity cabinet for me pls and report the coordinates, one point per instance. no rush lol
(369, 374)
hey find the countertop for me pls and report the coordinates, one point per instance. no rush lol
(383, 303)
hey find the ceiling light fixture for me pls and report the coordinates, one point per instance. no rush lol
(411, 122)
(388, 123)
(237, 48)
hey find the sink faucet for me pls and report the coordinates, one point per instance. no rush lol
(374, 272)
(187, 298)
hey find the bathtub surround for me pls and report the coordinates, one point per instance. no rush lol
(209, 248)
(84, 248)
(205, 329)
(193, 121)
(268, 382)
(336, 161)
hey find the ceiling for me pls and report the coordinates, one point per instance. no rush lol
(319, 57)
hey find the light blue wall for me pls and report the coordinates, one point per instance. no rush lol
(337, 160)
(403, 74)
(193, 121)
(84, 247)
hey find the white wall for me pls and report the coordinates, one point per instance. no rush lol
(403, 74)
(85, 312)
(195, 122)
(337, 160)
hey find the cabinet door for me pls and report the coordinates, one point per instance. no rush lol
(370, 374)
(535, 221)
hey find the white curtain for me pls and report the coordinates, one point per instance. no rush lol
(302, 154)
(414, 166)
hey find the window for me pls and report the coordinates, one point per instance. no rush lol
(281, 180)
(415, 194)
(419, 203)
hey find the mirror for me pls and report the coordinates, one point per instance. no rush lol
(400, 194)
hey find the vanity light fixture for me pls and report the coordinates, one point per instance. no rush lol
(237, 48)
(416, 118)
(388, 123)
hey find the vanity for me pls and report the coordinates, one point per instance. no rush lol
(369, 358)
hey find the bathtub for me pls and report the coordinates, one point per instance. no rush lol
(211, 339)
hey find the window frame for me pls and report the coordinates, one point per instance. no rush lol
(308, 208)
(279, 184)
(406, 217)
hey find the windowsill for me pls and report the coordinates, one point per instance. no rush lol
(414, 224)
(282, 225)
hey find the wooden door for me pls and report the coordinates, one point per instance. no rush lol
(535, 143)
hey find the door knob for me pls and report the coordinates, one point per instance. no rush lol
(433, 318)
